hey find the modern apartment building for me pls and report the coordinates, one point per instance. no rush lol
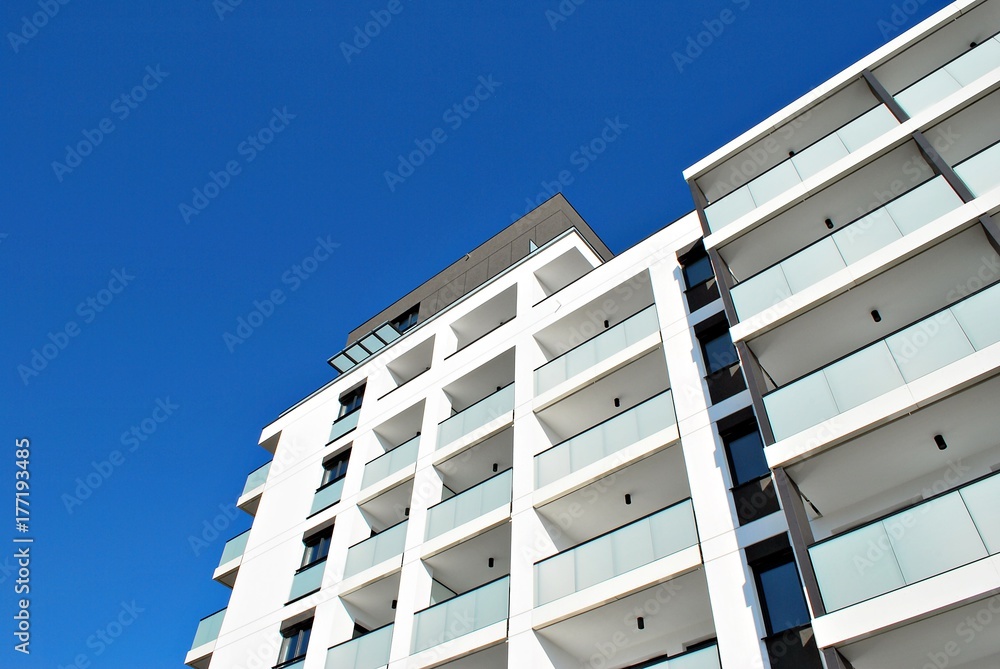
(764, 436)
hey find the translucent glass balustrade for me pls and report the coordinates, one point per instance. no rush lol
(981, 172)
(476, 416)
(461, 615)
(307, 580)
(234, 548)
(370, 651)
(375, 550)
(256, 478)
(208, 629)
(390, 462)
(951, 78)
(468, 505)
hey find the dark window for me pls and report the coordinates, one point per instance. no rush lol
(317, 547)
(745, 449)
(351, 402)
(406, 320)
(780, 590)
(717, 347)
(335, 468)
(699, 277)
(294, 642)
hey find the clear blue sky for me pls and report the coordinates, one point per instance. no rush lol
(127, 295)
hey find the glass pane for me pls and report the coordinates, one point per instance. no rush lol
(863, 376)
(723, 212)
(855, 566)
(342, 362)
(719, 352)
(976, 63)
(941, 537)
(812, 264)
(981, 172)
(326, 497)
(747, 455)
(594, 563)
(307, 581)
(256, 478)
(372, 343)
(981, 500)
(801, 405)
(208, 629)
(698, 271)
(922, 205)
(774, 182)
(344, 425)
(819, 156)
(632, 547)
(867, 128)
(866, 236)
(929, 346)
(926, 92)
(476, 416)
(783, 598)
(554, 578)
(760, 292)
(979, 317)
(234, 548)
(673, 529)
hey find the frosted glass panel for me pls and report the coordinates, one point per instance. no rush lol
(863, 376)
(922, 205)
(461, 615)
(728, 209)
(795, 407)
(866, 236)
(760, 292)
(307, 581)
(469, 505)
(476, 416)
(597, 349)
(941, 538)
(979, 317)
(773, 183)
(234, 548)
(256, 478)
(929, 346)
(982, 501)
(391, 462)
(819, 156)
(928, 91)
(706, 658)
(629, 547)
(867, 127)
(812, 264)
(208, 629)
(976, 63)
(855, 566)
(370, 651)
(327, 496)
(375, 550)
(344, 425)
(981, 172)
(611, 436)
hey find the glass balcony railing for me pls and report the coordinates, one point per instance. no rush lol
(461, 615)
(208, 629)
(596, 349)
(939, 340)
(804, 164)
(981, 172)
(474, 417)
(611, 436)
(953, 77)
(234, 548)
(859, 239)
(391, 462)
(468, 505)
(375, 550)
(639, 543)
(295, 664)
(256, 478)
(343, 425)
(704, 658)
(327, 496)
(370, 651)
(306, 580)
(928, 539)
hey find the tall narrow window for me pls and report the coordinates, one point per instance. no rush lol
(406, 320)
(335, 468)
(724, 378)
(294, 642)
(699, 277)
(753, 489)
(351, 402)
(317, 547)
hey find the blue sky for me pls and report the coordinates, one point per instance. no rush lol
(166, 165)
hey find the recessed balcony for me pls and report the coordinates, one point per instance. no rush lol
(232, 556)
(481, 402)
(461, 615)
(951, 77)
(375, 550)
(491, 494)
(387, 464)
(475, 417)
(204, 640)
(923, 541)
(912, 353)
(253, 489)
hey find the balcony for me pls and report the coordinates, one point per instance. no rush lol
(981, 172)
(801, 166)
(596, 349)
(461, 615)
(637, 544)
(705, 658)
(925, 540)
(370, 651)
(253, 489)
(951, 78)
(343, 425)
(954, 333)
(375, 550)
(489, 495)
(848, 245)
(307, 580)
(611, 436)
(391, 462)
(476, 416)
(231, 554)
(327, 496)
(207, 633)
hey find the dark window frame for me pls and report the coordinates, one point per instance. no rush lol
(294, 643)
(316, 547)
